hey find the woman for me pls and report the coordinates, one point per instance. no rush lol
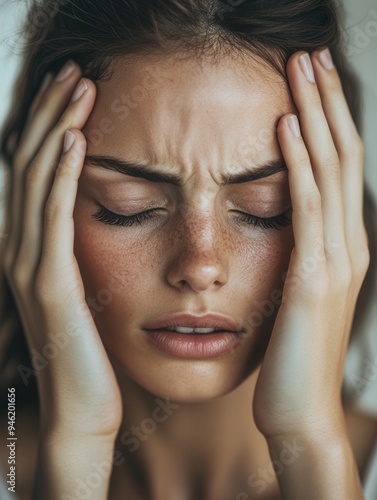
(186, 249)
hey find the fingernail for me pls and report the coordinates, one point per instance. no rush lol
(325, 59)
(294, 125)
(45, 82)
(65, 72)
(82, 87)
(307, 67)
(69, 139)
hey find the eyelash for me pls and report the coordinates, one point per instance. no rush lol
(107, 217)
(276, 222)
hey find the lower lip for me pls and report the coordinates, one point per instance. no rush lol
(183, 345)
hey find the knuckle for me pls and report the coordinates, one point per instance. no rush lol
(334, 85)
(331, 166)
(64, 168)
(311, 201)
(63, 124)
(303, 160)
(361, 254)
(362, 262)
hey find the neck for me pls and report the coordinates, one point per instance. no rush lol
(173, 450)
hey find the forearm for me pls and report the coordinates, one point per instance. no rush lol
(73, 468)
(322, 468)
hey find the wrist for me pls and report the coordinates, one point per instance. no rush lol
(313, 466)
(329, 438)
(317, 428)
(75, 438)
(75, 430)
(310, 445)
(68, 464)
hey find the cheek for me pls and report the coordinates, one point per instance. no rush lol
(260, 281)
(263, 261)
(103, 259)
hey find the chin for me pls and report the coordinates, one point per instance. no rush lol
(184, 381)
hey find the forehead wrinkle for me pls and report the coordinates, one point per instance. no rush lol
(194, 137)
(187, 148)
(189, 122)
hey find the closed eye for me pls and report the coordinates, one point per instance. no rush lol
(107, 217)
(275, 222)
(111, 218)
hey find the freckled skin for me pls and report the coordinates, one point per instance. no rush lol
(196, 257)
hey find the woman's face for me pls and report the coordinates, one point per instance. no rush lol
(200, 122)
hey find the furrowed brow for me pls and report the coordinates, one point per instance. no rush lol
(154, 174)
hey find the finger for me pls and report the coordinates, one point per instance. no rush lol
(48, 78)
(47, 108)
(50, 107)
(58, 214)
(320, 145)
(305, 196)
(41, 173)
(347, 141)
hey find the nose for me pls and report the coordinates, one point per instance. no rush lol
(198, 261)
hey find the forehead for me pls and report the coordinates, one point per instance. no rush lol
(190, 112)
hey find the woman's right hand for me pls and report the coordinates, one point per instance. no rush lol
(78, 390)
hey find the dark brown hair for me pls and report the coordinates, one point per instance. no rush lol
(95, 32)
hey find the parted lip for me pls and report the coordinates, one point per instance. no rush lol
(209, 320)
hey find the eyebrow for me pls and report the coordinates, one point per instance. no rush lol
(151, 172)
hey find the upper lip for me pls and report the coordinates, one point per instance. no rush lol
(209, 320)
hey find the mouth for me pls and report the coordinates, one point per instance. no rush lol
(192, 331)
(192, 324)
(190, 336)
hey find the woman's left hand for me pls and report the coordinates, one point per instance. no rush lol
(298, 391)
